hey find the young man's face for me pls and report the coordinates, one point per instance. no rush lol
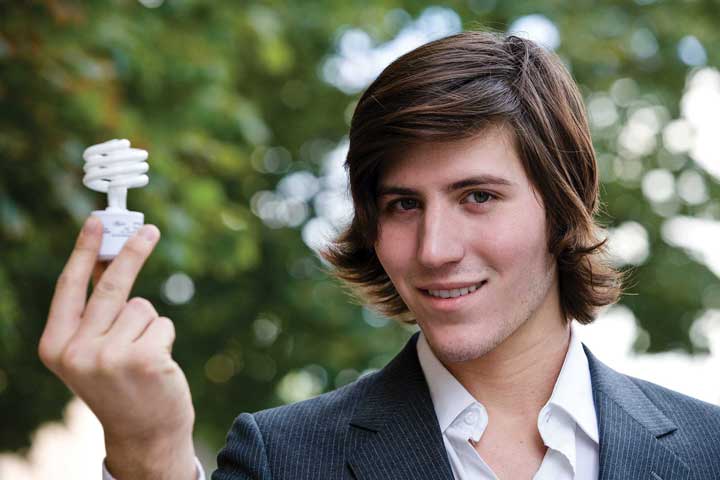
(463, 216)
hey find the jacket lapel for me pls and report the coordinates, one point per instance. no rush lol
(394, 432)
(634, 433)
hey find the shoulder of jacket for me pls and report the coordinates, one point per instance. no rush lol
(677, 402)
(698, 421)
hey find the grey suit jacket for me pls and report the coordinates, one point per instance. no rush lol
(383, 426)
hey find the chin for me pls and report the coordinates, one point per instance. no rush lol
(461, 342)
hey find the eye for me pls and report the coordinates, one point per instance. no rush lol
(479, 196)
(402, 204)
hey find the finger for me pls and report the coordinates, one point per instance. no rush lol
(132, 321)
(160, 333)
(113, 288)
(68, 301)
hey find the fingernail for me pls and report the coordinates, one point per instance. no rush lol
(92, 225)
(149, 233)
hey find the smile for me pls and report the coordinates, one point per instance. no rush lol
(459, 292)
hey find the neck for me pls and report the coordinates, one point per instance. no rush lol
(518, 376)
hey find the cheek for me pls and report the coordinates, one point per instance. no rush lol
(393, 250)
(517, 242)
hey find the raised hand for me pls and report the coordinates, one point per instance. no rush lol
(115, 354)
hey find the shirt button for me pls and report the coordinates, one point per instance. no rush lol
(471, 418)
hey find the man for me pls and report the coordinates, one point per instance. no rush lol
(474, 186)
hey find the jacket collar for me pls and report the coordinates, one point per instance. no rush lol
(635, 435)
(394, 432)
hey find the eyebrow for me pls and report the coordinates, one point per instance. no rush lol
(475, 181)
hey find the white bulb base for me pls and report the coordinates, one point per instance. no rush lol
(118, 226)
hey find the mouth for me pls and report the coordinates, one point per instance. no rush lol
(458, 292)
(451, 299)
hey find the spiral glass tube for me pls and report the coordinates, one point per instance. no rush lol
(112, 167)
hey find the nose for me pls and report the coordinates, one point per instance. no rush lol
(440, 238)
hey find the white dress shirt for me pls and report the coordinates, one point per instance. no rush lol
(567, 423)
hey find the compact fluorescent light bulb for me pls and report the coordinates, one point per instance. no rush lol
(113, 167)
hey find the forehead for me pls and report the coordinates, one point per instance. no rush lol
(491, 152)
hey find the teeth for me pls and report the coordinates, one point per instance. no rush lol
(459, 292)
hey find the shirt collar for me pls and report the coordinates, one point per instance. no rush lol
(449, 397)
(573, 388)
(572, 392)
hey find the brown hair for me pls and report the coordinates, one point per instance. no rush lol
(455, 88)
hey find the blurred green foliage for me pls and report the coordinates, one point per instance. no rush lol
(209, 89)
